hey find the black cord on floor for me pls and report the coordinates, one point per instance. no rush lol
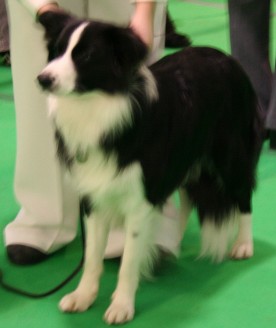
(25, 293)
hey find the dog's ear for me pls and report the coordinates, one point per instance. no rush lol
(130, 51)
(53, 23)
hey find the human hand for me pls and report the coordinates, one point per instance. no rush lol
(49, 7)
(142, 22)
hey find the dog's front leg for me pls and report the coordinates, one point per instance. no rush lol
(85, 294)
(137, 254)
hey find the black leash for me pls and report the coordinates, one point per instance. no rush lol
(21, 292)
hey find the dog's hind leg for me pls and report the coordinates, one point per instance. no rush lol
(217, 236)
(139, 249)
(243, 247)
(85, 294)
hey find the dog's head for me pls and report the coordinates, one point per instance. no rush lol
(87, 55)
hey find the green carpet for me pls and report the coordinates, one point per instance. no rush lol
(187, 293)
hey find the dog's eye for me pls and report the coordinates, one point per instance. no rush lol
(82, 55)
(59, 48)
(58, 52)
(54, 52)
(86, 56)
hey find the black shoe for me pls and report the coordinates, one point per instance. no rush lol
(174, 39)
(272, 139)
(24, 255)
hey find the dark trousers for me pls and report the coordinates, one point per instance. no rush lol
(4, 28)
(249, 35)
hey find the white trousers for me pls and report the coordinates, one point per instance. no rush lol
(49, 205)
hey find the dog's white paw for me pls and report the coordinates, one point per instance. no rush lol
(242, 250)
(119, 312)
(76, 302)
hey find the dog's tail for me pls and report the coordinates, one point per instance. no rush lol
(217, 237)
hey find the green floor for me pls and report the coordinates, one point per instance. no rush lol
(187, 293)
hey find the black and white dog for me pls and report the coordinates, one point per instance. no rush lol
(131, 135)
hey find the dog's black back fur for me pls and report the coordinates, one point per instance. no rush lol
(204, 132)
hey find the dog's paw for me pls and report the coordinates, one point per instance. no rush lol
(119, 312)
(76, 302)
(242, 250)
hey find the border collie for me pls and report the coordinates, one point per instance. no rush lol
(130, 136)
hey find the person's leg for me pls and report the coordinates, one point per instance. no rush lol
(4, 28)
(249, 35)
(271, 115)
(4, 35)
(49, 206)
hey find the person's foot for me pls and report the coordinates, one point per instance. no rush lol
(24, 255)
(174, 39)
(272, 139)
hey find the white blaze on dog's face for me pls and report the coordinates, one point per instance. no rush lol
(60, 75)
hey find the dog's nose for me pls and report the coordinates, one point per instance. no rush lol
(45, 80)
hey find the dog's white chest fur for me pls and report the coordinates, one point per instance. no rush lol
(83, 120)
